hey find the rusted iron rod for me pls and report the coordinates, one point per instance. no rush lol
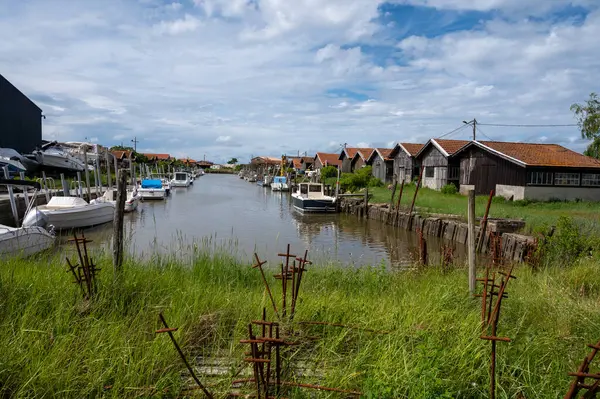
(265, 282)
(488, 338)
(183, 358)
(164, 330)
(412, 206)
(398, 202)
(483, 225)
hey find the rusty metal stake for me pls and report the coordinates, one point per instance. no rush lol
(258, 266)
(412, 206)
(484, 222)
(181, 355)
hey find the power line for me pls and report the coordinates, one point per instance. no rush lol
(485, 135)
(453, 131)
(523, 125)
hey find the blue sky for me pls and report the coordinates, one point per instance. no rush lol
(235, 78)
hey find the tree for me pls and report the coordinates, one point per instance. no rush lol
(588, 119)
(232, 161)
(120, 148)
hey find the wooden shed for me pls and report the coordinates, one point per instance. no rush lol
(406, 167)
(528, 171)
(382, 164)
(440, 167)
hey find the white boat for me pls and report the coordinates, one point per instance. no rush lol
(24, 241)
(310, 197)
(191, 176)
(53, 156)
(69, 213)
(280, 184)
(131, 202)
(181, 179)
(153, 189)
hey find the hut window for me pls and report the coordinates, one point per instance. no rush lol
(566, 179)
(540, 178)
(590, 179)
(453, 173)
(429, 171)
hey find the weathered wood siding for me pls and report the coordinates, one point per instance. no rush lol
(433, 158)
(382, 169)
(404, 167)
(317, 164)
(356, 163)
(346, 164)
(484, 170)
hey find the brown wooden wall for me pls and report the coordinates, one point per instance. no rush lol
(484, 170)
(433, 157)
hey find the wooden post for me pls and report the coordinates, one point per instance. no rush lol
(118, 224)
(108, 174)
(366, 211)
(412, 206)
(131, 170)
(471, 242)
(398, 202)
(116, 170)
(87, 175)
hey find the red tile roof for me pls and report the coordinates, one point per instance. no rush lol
(162, 157)
(412, 148)
(297, 163)
(204, 163)
(266, 160)
(451, 146)
(542, 154)
(384, 153)
(350, 152)
(328, 159)
(121, 154)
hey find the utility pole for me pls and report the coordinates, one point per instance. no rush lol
(135, 141)
(474, 123)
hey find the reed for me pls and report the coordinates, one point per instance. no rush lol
(54, 344)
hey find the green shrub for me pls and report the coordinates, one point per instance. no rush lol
(375, 182)
(329, 171)
(357, 180)
(569, 242)
(449, 188)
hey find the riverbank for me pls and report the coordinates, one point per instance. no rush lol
(52, 343)
(538, 216)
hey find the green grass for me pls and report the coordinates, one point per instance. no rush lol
(52, 344)
(537, 215)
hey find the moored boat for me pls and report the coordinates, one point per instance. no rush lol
(69, 213)
(181, 179)
(131, 202)
(152, 189)
(279, 184)
(310, 197)
(24, 241)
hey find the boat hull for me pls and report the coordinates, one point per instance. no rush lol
(178, 183)
(24, 241)
(313, 205)
(61, 162)
(152, 194)
(279, 187)
(71, 218)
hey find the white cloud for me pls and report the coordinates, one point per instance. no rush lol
(186, 24)
(229, 78)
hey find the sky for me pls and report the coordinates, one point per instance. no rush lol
(218, 79)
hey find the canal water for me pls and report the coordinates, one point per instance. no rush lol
(226, 213)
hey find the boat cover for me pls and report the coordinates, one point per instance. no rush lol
(151, 183)
(280, 179)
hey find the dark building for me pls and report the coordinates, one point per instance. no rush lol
(441, 167)
(528, 171)
(20, 119)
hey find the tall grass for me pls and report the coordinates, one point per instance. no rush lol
(52, 344)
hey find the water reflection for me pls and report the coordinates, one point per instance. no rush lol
(228, 213)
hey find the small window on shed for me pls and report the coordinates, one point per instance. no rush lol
(566, 179)
(429, 171)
